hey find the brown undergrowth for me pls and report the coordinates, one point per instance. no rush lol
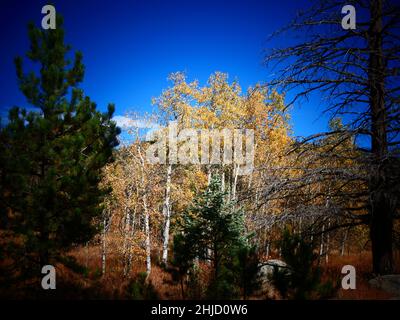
(89, 283)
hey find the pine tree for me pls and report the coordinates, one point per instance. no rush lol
(51, 158)
(301, 279)
(213, 230)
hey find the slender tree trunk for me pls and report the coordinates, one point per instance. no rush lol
(222, 179)
(235, 179)
(209, 251)
(327, 245)
(381, 223)
(127, 241)
(44, 232)
(344, 242)
(103, 251)
(321, 247)
(147, 232)
(146, 213)
(312, 231)
(167, 216)
(300, 225)
(132, 232)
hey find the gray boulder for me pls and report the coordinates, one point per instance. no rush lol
(265, 270)
(389, 283)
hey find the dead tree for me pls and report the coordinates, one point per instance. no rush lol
(357, 71)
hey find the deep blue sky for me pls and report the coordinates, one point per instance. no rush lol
(130, 47)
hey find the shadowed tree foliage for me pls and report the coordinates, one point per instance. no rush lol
(302, 278)
(51, 158)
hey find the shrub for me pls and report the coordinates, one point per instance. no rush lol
(140, 288)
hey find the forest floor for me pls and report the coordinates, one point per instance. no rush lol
(114, 285)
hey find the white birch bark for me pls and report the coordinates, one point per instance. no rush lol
(167, 215)
(147, 232)
(327, 245)
(321, 247)
(146, 214)
(235, 179)
(103, 251)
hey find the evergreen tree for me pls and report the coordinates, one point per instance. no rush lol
(302, 278)
(51, 158)
(213, 230)
(246, 268)
(183, 259)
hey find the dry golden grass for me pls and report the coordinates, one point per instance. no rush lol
(113, 285)
(362, 263)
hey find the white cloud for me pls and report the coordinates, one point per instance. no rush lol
(128, 123)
